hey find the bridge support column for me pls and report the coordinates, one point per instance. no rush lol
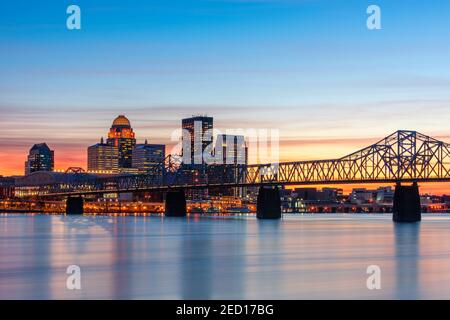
(74, 205)
(268, 205)
(175, 205)
(406, 207)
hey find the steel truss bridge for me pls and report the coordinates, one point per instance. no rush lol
(404, 156)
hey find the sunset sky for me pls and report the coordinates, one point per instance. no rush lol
(308, 68)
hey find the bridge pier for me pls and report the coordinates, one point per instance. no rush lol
(175, 204)
(268, 204)
(406, 207)
(74, 205)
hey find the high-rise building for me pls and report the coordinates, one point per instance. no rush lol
(103, 157)
(196, 127)
(121, 135)
(40, 158)
(230, 154)
(147, 156)
(231, 149)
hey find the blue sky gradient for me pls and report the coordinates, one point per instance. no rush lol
(309, 68)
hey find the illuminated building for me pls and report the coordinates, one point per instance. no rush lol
(42, 181)
(7, 187)
(147, 156)
(384, 195)
(103, 157)
(40, 158)
(122, 137)
(313, 194)
(231, 149)
(197, 136)
(196, 127)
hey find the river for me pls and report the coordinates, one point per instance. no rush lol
(233, 257)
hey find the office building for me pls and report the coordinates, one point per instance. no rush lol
(146, 157)
(40, 158)
(231, 149)
(103, 157)
(122, 137)
(230, 155)
(195, 143)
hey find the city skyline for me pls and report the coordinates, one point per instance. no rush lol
(309, 68)
(226, 156)
(433, 188)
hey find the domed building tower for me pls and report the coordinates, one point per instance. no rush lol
(121, 135)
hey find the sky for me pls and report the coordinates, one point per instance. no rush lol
(309, 68)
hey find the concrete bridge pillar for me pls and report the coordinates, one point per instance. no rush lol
(268, 204)
(406, 207)
(74, 205)
(175, 205)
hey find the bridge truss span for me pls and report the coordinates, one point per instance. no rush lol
(400, 157)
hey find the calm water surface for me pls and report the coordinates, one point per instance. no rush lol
(299, 257)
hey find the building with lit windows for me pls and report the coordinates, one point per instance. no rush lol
(122, 137)
(7, 187)
(42, 181)
(197, 136)
(40, 158)
(196, 127)
(103, 157)
(146, 157)
(231, 149)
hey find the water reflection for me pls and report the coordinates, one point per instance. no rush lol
(196, 273)
(407, 255)
(266, 259)
(223, 257)
(211, 258)
(37, 258)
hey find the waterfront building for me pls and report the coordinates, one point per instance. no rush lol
(103, 157)
(146, 157)
(385, 195)
(7, 187)
(122, 137)
(197, 142)
(302, 198)
(307, 194)
(381, 195)
(361, 196)
(32, 184)
(40, 158)
(330, 194)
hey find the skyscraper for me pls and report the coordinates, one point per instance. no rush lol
(231, 149)
(196, 127)
(103, 157)
(121, 135)
(40, 158)
(146, 156)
